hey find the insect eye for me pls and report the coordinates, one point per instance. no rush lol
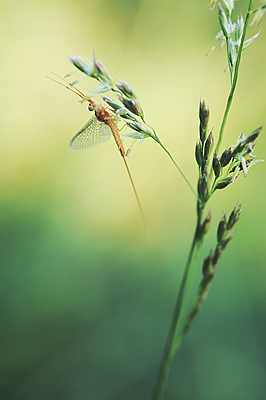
(90, 107)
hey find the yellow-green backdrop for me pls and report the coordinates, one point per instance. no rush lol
(85, 302)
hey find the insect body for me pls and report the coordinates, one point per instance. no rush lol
(104, 116)
(100, 127)
(97, 130)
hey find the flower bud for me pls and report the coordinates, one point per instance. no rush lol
(126, 114)
(207, 172)
(238, 149)
(223, 21)
(227, 239)
(239, 29)
(120, 109)
(127, 90)
(207, 264)
(199, 154)
(216, 165)
(226, 157)
(204, 115)
(103, 74)
(232, 53)
(137, 126)
(217, 254)
(132, 105)
(258, 16)
(234, 216)
(203, 191)
(84, 66)
(212, 5)
(228, 8)
(114, 104)
(208, 146)
(224, 183)
(205, 225)
(222, 229)
(253, 135)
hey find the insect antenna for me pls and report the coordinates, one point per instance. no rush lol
(68, 85)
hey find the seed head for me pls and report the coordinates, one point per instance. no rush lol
(212, 5)
(258, 17)
(199, 154)
(208, 146)
(253, 135)
(232, 53)
(216, 165)
(207, 172)
(217, 254)
(239, 29)
(103, 74)
(226, 157)
(205, 225)
(228, 6)
(204, 116)
(114, 104)
(127, 90)
(222, 229)
(227, 239)
(132, 105)
(84, 66)
(203, 191)
(224, 183)
(224, 22)
(207, 264)
(120, 109)
(234, 216)
(137, 126)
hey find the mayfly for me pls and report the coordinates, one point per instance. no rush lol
(99, 128)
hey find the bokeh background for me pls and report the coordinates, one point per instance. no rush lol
(85, 302)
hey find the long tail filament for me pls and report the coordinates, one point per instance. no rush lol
(138, 201)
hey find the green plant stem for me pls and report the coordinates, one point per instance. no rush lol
(233, 86)
(177, 329)
(229, 62)
(155, 137)
(258, 9)
(175, 335)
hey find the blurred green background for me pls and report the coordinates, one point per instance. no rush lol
(85, 302)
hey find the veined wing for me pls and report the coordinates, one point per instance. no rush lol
(93, 133)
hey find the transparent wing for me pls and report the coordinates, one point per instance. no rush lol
(93, 133)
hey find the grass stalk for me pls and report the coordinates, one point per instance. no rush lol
(175, 333)
(233, 86)
(155, 137)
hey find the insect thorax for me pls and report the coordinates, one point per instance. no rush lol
(101, 114)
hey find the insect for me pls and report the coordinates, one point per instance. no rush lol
(99, 128)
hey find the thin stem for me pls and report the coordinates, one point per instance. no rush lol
(258, 9)
(155, 137)
(231, 94)
(175, 333)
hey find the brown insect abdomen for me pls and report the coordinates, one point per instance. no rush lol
(104, 116)
(116, 136)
